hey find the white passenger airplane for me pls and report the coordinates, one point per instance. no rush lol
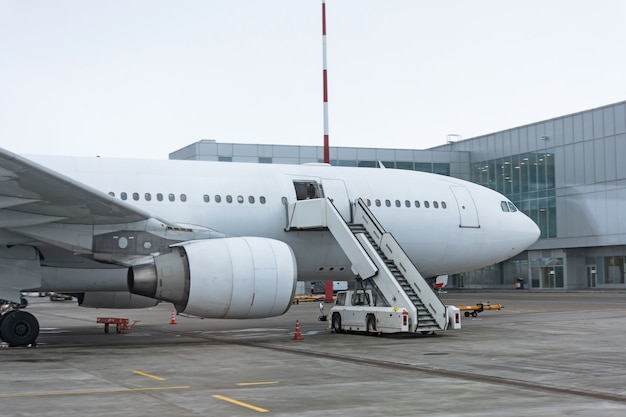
(211, 238)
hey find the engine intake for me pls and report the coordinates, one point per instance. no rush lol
(243, 277)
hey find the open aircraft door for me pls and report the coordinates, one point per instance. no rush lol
(337, 192)
(467, 209)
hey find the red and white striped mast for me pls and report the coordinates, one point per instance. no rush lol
(328, 285)
(325, 85)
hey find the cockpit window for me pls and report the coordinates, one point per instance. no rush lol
(508, 206)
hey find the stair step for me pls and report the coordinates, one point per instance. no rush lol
(427, 329)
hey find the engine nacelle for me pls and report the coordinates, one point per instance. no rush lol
(115, 299)
(233, 278)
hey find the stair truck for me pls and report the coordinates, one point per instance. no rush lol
(366, 311)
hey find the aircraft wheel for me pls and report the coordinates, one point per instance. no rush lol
(19, 328)
(474, 314)
(467, 313)
(337, 323)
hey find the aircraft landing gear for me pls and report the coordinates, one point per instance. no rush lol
(19, 328)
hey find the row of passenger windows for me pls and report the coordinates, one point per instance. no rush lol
(183, 197)
(262, 200)
(229, 199)
(407, 203)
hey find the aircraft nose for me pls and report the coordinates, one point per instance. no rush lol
(522, 233)
(528, 231)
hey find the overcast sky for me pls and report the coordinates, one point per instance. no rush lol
(142, 78)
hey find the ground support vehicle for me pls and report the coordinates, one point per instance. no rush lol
(479, 308)
(55, 296)
(364, 311)
(380, 265)
(121, 324)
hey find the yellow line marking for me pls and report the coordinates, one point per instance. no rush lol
(245, 384)
(88, 392)
(241, 404)
(158, 378)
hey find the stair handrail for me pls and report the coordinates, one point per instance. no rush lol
(363, 216)
(427, 294)
(393, 251)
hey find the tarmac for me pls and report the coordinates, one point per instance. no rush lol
(543, 354)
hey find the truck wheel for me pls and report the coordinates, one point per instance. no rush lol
(371, 324)
(337, 323)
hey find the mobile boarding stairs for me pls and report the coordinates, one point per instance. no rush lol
(378, 260)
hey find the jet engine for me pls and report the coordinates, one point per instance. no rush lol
(234, 278)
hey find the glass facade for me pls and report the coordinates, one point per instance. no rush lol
(610, 270)
(526, 179)
(443, 162)
(437, 168)
(547, 273)
(503, 275)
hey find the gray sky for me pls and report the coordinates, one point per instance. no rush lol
(133, 78)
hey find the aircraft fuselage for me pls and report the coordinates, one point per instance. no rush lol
(444, 224)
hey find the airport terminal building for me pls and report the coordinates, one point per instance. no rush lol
(568, 174)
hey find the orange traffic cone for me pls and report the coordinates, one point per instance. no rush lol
(173, 319)
(297, 336)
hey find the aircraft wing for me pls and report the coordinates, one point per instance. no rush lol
(31, 194)
(39, 205)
